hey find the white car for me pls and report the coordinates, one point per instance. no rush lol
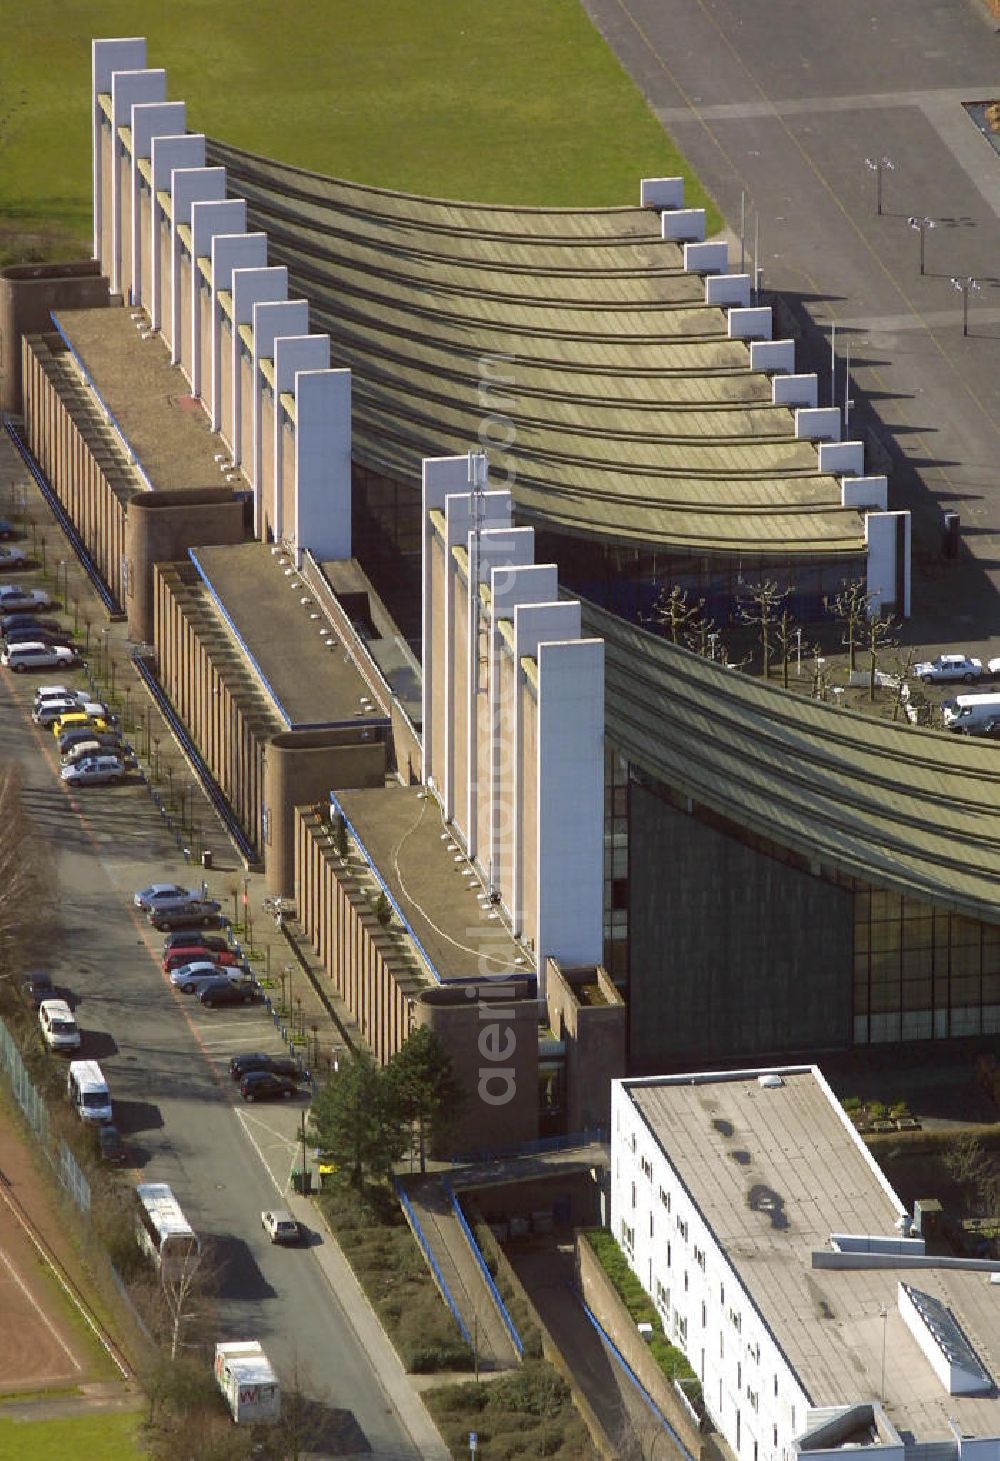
(59, 1029)
(94, 771)
(12, 558)
(190, 978)
(49, 711)
(15, 596)
(948, 668)
(163, 895)
(21, 657)
(81, 751)
(59, 692)
(280, 1226)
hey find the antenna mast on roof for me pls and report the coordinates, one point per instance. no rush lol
(478, 474)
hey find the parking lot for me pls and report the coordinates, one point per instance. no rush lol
(165, 1056)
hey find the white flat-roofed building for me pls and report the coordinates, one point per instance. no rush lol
(783, 1264)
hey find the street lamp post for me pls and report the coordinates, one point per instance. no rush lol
(65, 577)
(967, 286)
(921, 225)
(879, 165)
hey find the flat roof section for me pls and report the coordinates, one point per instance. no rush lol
(310, 683)
(775, 1172)
(166, 428)
(401, 830)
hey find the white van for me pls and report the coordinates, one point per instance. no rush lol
(971, 715)
(88, 1091)
(59, 1028)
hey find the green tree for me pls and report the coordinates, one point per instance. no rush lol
(356, 1122)
(425, 1088)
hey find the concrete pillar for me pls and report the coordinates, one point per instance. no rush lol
(107, 57)
(189, 185)
(842, 458)
(821, 424)
(888, 536)
(683, 225)
(440, 476)
(249, 287)
(149, 120)
(728, 289)
(229, 252)
(706, 258)
(127, 89)
(208, 220)
(661, 193)
(167, 153)
(795, 390)
(270, 319)
(292, 353)
(323, 464)
(775, 356)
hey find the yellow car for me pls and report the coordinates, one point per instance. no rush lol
(76, 720)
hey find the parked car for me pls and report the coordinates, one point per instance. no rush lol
(23, 620)
(59, 1029)
(12, 558)
(35, 635)
(281, 1227)
(261, 1085)
(37, 656)
(78, 719)
(192, 953)
(193, 938)
(230, 991)
(110, 1147)
(203, 913)
(81, 751)
(164, 895)
(109, 740)
(44, 693)
(51, 710)
(104, 770)
(947, 668)
(193, 977)
(38, 986)
(282, 1065)
(16, 596)
(7, 530)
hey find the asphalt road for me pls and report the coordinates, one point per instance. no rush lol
(783, 102)
(165, 1057)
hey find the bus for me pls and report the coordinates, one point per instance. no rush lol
(162, 1230)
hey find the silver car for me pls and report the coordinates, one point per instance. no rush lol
(94, 771)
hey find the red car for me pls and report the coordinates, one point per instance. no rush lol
(180, 955)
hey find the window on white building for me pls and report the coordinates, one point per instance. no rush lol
(682, 1227)
(633, 1194)
(628, 1238)
(704, 1314)
(662, 1297)
(647, 1169)
(650, 1224)
(680, 1327)
(665, 1198)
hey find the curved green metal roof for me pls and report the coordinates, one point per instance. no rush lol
(635, 417)
(910, 809)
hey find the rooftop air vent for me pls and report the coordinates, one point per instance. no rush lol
(770, 1082)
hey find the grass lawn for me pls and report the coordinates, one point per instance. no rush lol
(110, 1437)
(520, 102)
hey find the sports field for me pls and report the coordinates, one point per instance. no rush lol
(515, 101)
(106, 1437)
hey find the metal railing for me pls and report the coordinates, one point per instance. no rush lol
(637, 1383)
(432, 1263)
(476, 1252)
(597, 1136)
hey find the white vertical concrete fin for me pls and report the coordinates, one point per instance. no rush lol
(271, 318)
(188, 185)
(119, 53)
(149, 120)
(501, 550)
(229, 252)
(459, 512)
(323, 464)
(166, 154)
(127, 88)
(439, 476)
(292, 353)
(536, 583)
(661, 193)
(889, 566)
(250, 286)
(208, 219)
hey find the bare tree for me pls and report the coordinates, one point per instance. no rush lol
(787, 634)
(879, 636)
(967, 1161)
(763, 605)
(675, 613)
(851, 606)
(901, 666)
(21, 861)
(177, 1306)
(703, 637)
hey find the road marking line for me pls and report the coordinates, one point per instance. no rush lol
(40, 1311)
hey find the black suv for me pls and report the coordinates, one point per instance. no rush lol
(242, 1065)
(228, 991)
(261, 1085)
(199, 913)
